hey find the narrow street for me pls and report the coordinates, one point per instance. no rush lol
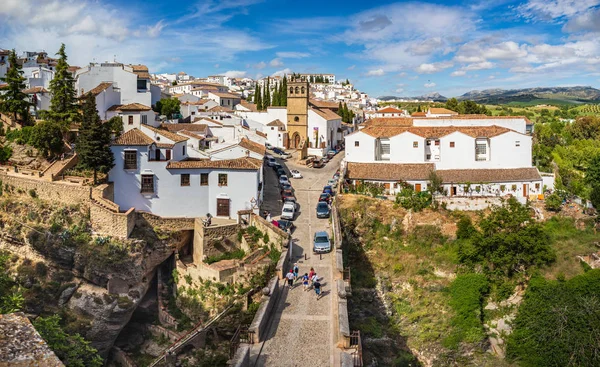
(301, 332)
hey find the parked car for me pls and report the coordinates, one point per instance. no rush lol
(271, 162)
(321, 242)
(278, 151)
(328, 190)
(286, 186)
(283, 179)
(318, 163)
(296, 174)
(276, 166)
(280, 172)
(286, 194)
(288, 211)
(325, 159)
(322, 210)
(331, 154)
(268, 146)
(332, 182)
(325, 197)
(285, 225)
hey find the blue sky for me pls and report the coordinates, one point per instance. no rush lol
(385, 48)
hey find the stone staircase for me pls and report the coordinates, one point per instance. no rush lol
(59, 166)
(250, 241)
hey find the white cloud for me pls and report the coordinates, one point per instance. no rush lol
(546, 10)
(276, 63)
(235, 73)
(376, 72)
(402, 74)
(426, 47)
(292, 55)
(351, 67)
(217, 66)
(433, 68)
(155, 30)
(458, 73)
(282, 72)
(399, 90)
(429, 85)
(479, 66)
(589, 21)
(260, 65)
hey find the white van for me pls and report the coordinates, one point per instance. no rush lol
(288, 211)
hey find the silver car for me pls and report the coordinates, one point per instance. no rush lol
(321, 242)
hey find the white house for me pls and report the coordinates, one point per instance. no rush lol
(440, 112)
(134, 115)
(154, 173)
(133, 81)
(193, 108)
(39, 98)
(324, 131)
(107, 96)
(227, 100)
(471, 156)
(390, 112)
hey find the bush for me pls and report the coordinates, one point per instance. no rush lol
(553, 202)
(467, 293)
(408, 198)
(237, 254)
(33, 193)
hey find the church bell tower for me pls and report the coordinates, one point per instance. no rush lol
(297, 116)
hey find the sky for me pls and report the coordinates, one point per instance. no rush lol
(383, 47)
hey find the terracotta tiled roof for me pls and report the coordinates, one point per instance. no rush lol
(220, 109)
(389, 121)
(324, 104)
(133, 137)
(482, 117)
(435, 132)
(198, 102)
(165, 145)
(167, 134)
(100, 88)
(389, 171)
(187, 127)
(35, 90)
(326, 113)
(141, 71)
(245, 163)
(114, 107)
(390, 110)
(209, 120)
(191, 134)
(276, 122)
(225, 95)
(248, 105)
(419, 114)
(73, 68)
(441, 111)
(253, 146)
(134, 107)
(260, 133)
(489, 175)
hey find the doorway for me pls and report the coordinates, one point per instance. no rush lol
(525, 190)
(295, 141)
(418, 187)
(157, 155)
(222, 207)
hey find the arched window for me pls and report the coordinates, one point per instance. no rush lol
(296, 119)
(291, 90)
(302, 90)
(297, 90)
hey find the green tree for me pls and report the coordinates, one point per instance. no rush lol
(93, 142)
(592, 173)
(585, 127)
(63, 105)
(174, 83)
(284, 91)
(266, 98)
(435, 183)
(595, 196)
(553, 202)
(258, 98)
(170, 107)
(452, 104)
(47, 137)
(116, 125)
(72, 350)
(5, 153)
(13, 100)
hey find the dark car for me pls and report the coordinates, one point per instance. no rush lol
(278, 151)
(328, 190)
(286, 194)
(280, 172)
(325, 197)
(322, 210)
(318, 163)
(286, 186)
(285, 225)
(276, 166)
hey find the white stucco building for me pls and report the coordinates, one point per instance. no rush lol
(153, 172)
(474, 155)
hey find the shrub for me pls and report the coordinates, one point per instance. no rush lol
(553, 202)
(426, 236)
(408, 198)
(237, 254)
(33, 193)
(41, 269)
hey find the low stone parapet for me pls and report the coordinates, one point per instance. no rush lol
(259, 325)
(343, 324)
(241, 357)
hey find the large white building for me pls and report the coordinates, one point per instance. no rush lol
(155, 171)
(474, 155)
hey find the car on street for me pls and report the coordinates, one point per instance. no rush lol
(322, 210)
(286, 186)
(268, 146)
(278, 151)
(286, 194)
(325, 159)
(288, 211)
(280, 172)
(271, 162)
(277, 166)
(318, 163)
(321, 242)
(325, 197)
(332, 182)
(328, 190)
(296, 174)
(283, 179)
(331, 154)
(285, 225)
(291, 199)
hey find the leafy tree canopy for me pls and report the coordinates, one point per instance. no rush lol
(169, 107)
(13, 100)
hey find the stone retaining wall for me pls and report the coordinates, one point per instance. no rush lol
(468, 203)
(165, 223)
(109, 223)
(159, 330)
(45, 190)
(259, 325)
(276, 235)
(343, 323)
(122, 358)
(241, 357)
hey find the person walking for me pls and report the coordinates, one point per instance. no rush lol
(317, 286)
(290, 277)
(296, 270)
(311, 274)
(305, 281)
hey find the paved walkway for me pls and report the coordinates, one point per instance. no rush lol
(302, 329)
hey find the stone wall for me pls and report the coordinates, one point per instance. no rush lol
(343, 323)
(159, 330)
(206, 238)
(165, 223)
(242, 356)
(109, 223)
(45, 190)
(468, 203)
(276, 235)
(265, 311)
(121, 358)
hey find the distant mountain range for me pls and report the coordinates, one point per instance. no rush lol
(579, 94)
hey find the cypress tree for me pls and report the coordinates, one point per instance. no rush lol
(93, 142)
(256, 93)
(284, 91)
(340, 109)
(346, 113)
(63, 105)
(275, 97)
(258, 98)
(266, 97)
(14, 100)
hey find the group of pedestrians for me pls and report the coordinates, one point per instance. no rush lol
(308, 279)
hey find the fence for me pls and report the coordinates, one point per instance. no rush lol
(356, 343)
(241, 335)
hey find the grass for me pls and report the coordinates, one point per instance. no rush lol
(237, 254)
